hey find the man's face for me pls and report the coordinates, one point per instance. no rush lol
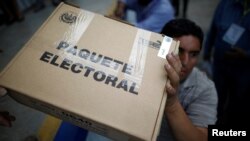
(188, 52)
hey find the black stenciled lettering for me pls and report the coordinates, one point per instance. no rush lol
(111, 79)
(132, 88)
(72, 50)
(106, 61)
(84, 53)
(99, 76)
(89, 69)
(123, 84)
(76, 68)
(117, 63)
(127, 69)
(66, 64)
(62, 45)
(94, 58)
(46, 56)
(53, 61)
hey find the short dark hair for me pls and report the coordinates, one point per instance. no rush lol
(180, 27)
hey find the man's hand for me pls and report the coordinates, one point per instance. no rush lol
(173, 68)
(6, 118)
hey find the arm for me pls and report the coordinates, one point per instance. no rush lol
(154, 16)
(120, 10)
(181, 126)
(155, 21)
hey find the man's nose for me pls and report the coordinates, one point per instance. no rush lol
(184, 59)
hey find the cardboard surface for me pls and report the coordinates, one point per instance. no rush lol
(95, 72)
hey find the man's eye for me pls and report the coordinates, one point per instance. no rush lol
(181, 50)
(194, 54)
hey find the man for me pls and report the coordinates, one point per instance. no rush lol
(191, 105)
(150, 14)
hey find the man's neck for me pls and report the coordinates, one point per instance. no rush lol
(182, 81)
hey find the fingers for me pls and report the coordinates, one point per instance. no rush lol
(6, 119)
(174, 61)
(11, 118)
(3, 91)
(4, 122)
(173, 68)
(172, 75)
(169, 89)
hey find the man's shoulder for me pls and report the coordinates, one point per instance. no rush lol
(204, 85)
(202, 78)
(199, 84)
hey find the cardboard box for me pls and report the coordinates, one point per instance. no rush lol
(98, 73)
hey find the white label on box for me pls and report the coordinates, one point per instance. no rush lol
(165, 46)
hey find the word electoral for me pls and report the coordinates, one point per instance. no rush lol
(100, 61)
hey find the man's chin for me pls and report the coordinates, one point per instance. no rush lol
(183, 77)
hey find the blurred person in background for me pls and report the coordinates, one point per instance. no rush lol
(40, 4)
(228, 43)
(11, 11)
(150, 14)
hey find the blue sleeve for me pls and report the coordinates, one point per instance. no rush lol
(154, 22)
(155, 16)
